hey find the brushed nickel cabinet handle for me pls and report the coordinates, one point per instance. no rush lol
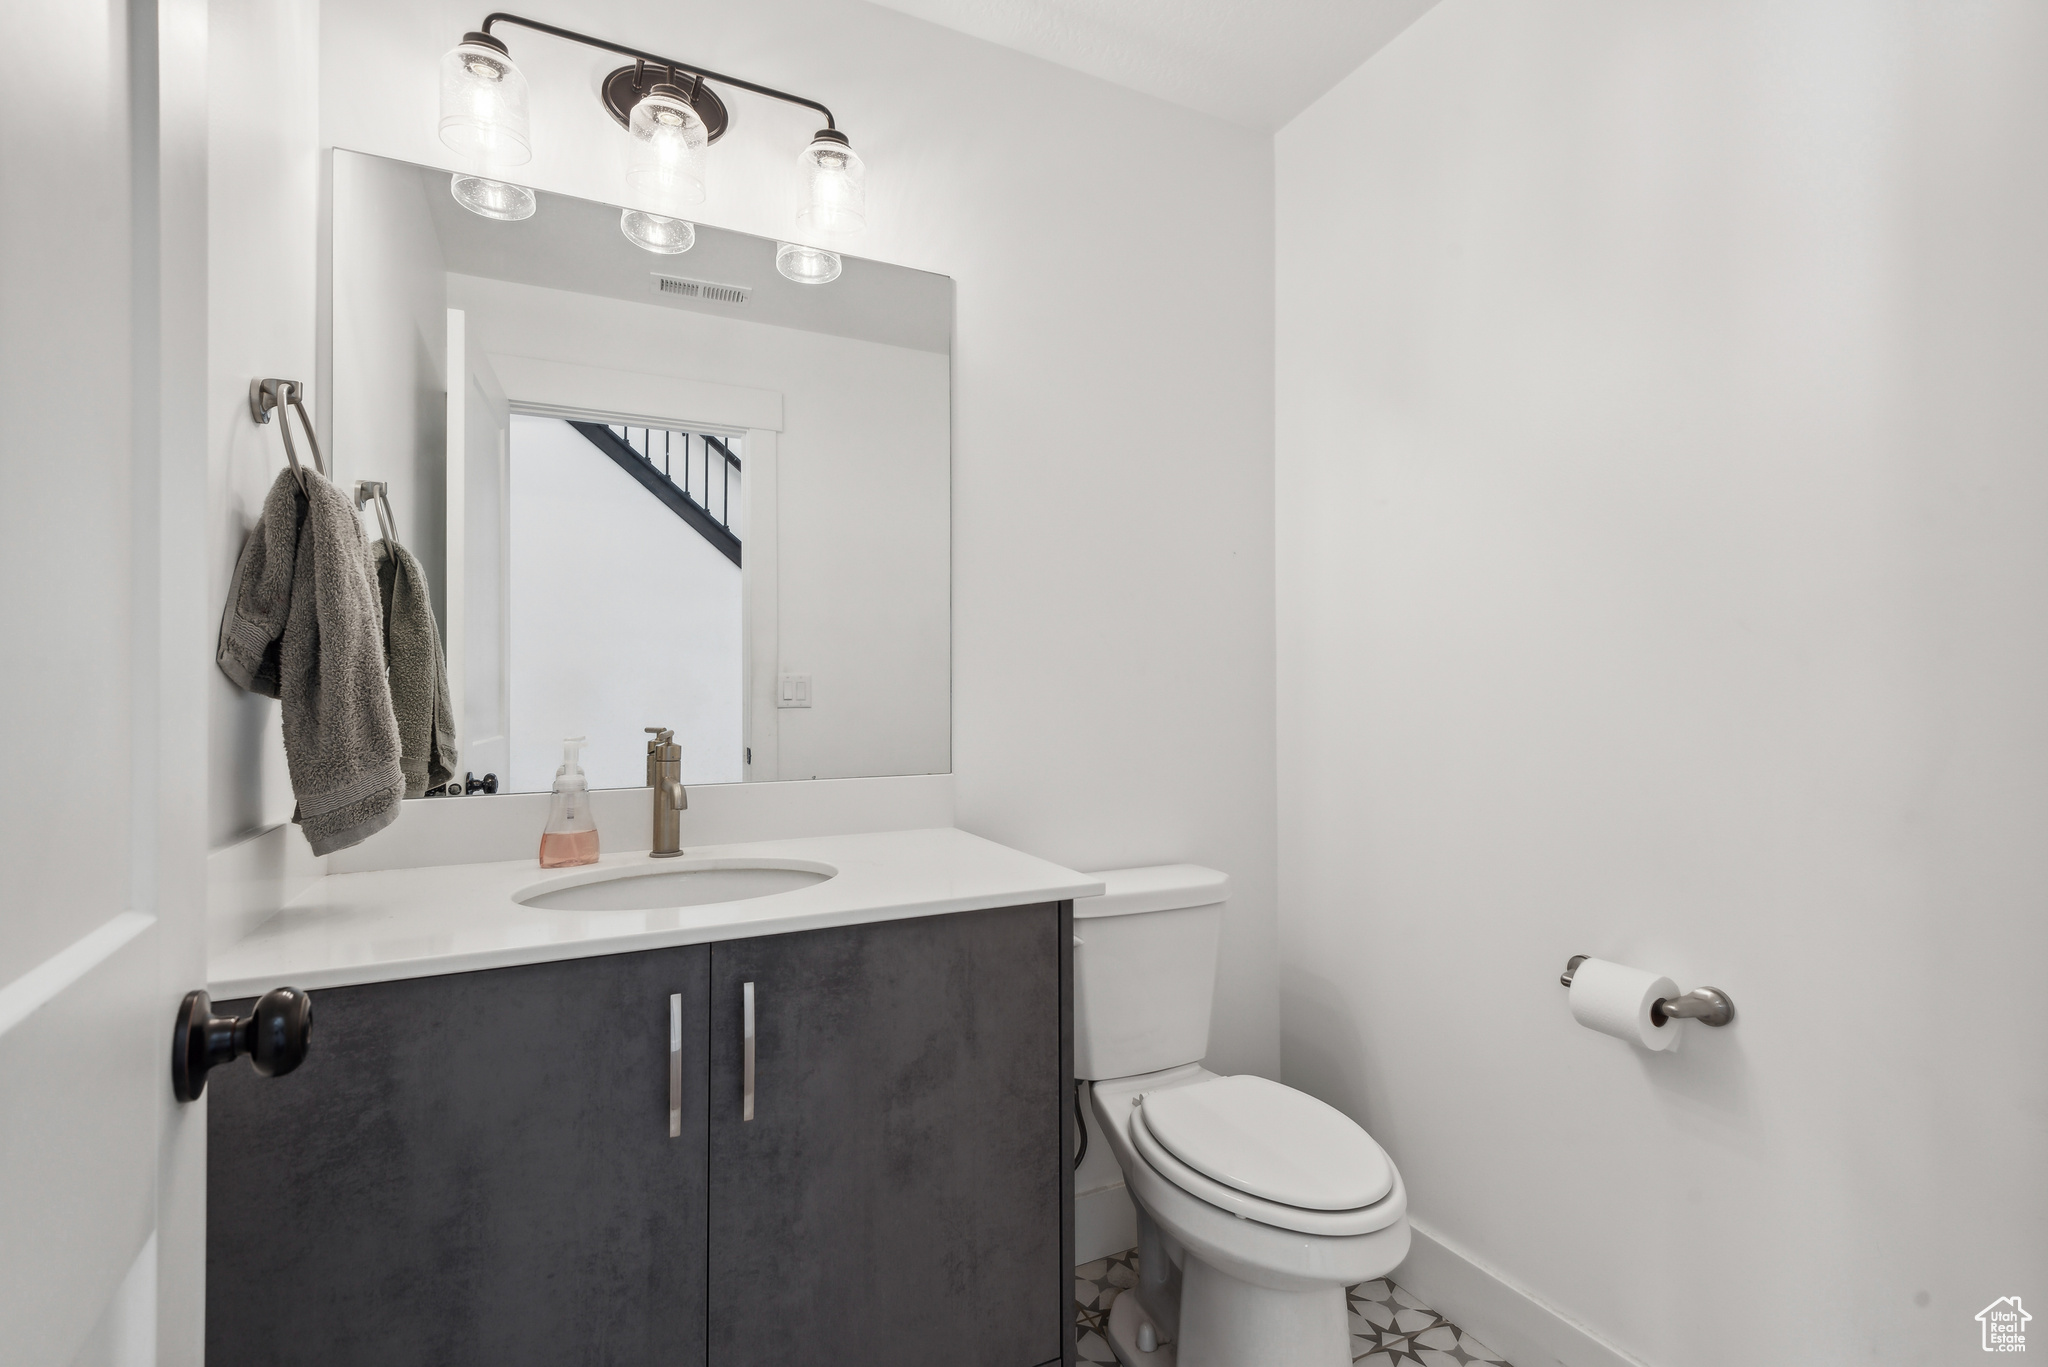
(747, 1054)
(675, 1065)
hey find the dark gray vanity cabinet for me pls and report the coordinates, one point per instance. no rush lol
(478, 1168)
(472, 1170)
(897, 1195)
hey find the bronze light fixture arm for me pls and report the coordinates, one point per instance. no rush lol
(652, 59)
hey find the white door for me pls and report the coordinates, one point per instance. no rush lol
(102, 367)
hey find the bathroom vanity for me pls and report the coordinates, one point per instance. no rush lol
(824, 1124)
(770, 1103)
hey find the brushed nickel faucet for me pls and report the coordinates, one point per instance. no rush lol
(665, 777)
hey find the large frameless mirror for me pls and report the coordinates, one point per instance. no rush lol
(651, 488)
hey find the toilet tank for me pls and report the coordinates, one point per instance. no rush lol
(1145, 969)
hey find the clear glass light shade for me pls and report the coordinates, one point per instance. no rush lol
(665, 163)
(491, 198)
(483, 107)
(835, 187)
(806, 265)
(652, 232)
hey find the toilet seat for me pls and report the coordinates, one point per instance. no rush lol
(1260, 1151)
(1271, 1141)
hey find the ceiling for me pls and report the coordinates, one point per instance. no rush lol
(1255, 64)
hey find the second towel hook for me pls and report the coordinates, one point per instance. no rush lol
(265, 395)
(374, 490)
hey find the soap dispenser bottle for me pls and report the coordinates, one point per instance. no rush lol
(570, 837)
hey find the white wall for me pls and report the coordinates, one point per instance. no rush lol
(389, 399)
(258, 260)
(623, 617)
(1661, 577)
(861, 553)
(264, 198)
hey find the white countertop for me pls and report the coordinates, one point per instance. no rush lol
(415, 923)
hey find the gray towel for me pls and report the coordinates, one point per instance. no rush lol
(259, 596)
(419, 671)
(303, 626)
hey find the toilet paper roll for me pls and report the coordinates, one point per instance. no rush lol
(1616, 1000)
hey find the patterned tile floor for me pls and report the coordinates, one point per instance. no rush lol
(1389, 1327)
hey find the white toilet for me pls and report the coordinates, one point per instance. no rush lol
(1257, 1204)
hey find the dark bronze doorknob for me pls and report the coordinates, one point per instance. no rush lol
(275, 1036)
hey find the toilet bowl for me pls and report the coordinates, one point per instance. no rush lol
(1257, 1204)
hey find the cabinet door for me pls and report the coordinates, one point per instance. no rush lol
(468, 1169)
(897, 1196)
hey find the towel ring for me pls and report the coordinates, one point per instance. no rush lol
(265, 395)
(373, 491)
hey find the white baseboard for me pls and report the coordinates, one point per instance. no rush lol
(1105, 1222)
(1510, 1319)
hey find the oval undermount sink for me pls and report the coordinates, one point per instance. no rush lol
(656, 889)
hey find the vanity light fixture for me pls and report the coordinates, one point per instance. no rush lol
(483, 104)
(483, 117)
(492, 198)
(806, 265)
(665, 165)
(672, 115)
(835, 200)
(835, 185)
(664, 169)
(654, 233)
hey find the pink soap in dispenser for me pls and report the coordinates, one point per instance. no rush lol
(570, 837)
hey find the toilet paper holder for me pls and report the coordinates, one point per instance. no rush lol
(1707, 1005)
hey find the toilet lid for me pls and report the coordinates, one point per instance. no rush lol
(1270, 1141)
